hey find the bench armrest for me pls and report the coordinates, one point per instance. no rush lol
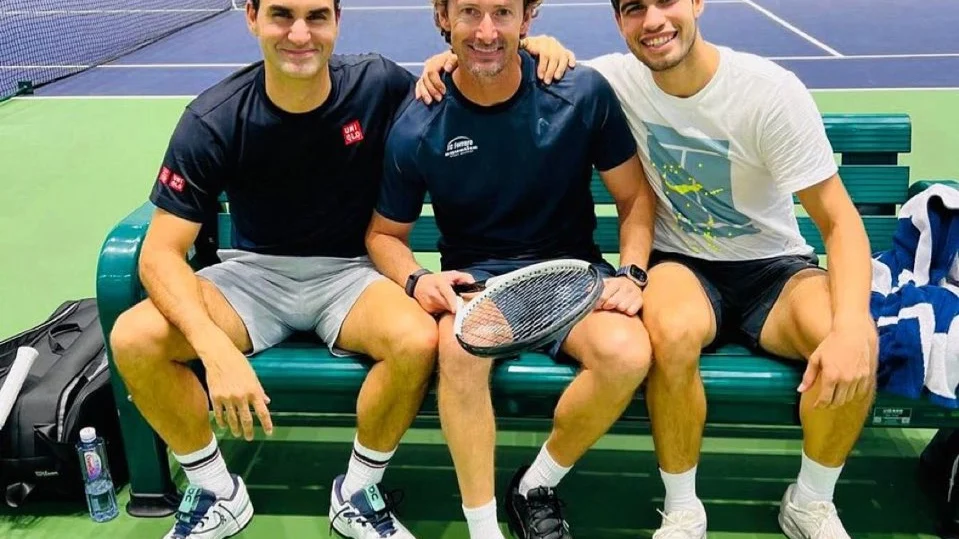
(118, 281)
(921, 185)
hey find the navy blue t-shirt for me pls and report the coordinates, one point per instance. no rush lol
(298, 184)
(508, 181)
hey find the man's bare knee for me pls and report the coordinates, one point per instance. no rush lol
(411, 347)
(676, 340)
(141, 337)
(620, 357)
(464, 375)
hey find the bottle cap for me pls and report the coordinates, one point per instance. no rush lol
(88, 434)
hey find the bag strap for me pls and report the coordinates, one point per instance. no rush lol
(58, 331)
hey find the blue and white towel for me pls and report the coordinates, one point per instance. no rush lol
(915, 299)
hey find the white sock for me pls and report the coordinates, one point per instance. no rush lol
(681, 491)
(816, 482)
(206, 469)
(544, 472)
(366, 468)
(482, 521)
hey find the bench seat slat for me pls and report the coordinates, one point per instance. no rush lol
(304, 377)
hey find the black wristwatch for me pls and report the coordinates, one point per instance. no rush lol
(633, 273)
(412, 280)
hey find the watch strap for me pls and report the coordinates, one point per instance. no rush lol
(413, 279)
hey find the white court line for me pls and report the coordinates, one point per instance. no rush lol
(49, 12)
(544, 6)
(166, 97)
(785, 24)
(419, 64)
(871, 56)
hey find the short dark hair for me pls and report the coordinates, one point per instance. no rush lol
(531, 6)
(256, 5)
(615, 5)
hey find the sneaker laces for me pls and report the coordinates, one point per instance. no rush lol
(826, 520)
(545, 514)
(193, 510)
(381, 521)
(678, 525)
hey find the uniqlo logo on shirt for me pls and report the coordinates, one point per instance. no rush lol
(164, 176)
(171, 179)
(352, 132)
(177, 183)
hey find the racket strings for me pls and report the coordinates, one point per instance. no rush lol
(526, 309)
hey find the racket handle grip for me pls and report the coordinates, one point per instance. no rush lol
(14, 381)
(465, 288)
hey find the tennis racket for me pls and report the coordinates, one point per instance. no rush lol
(526, 308)
(14, 382)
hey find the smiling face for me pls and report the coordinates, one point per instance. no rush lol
(484, 34)
(296, 36)
(659, 32)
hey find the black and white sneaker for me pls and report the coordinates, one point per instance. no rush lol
(538, 515)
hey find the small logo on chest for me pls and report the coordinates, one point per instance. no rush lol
(460, 146)
(352, 133)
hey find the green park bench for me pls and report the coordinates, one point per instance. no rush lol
(308, 384)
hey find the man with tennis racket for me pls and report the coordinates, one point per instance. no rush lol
(296, 141)
(727, 138)
(508, 163)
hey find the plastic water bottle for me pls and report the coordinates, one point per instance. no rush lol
(101, 499)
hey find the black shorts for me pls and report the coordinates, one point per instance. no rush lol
(742, 292)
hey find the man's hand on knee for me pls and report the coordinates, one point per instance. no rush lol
(621, 294)
(846, 363)
(234, 389)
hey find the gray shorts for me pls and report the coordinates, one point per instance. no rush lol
(276, 296)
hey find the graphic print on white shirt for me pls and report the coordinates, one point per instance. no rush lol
(725, 162)
(696, 179)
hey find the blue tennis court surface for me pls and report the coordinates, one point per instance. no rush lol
(852, 44)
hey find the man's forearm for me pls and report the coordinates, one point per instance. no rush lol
(636, 226)
(850, 270)
(174, 289)
(392, 257)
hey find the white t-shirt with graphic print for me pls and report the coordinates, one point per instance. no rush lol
(725, 162)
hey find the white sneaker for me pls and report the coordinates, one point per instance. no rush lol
(682, 525)
(817, 520)
(367, 514)
(202, 515)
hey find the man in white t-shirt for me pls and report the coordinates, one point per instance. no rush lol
(727, 138)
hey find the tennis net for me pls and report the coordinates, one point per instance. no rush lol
(42, 41)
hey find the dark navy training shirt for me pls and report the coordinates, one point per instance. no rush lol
(298, 184)
(510, 180)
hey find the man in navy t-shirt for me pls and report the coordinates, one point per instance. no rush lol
(507, 163)
(296, 142)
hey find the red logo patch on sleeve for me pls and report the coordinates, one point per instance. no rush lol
(164, 176)
(171, 179)
(352, 132)
(177, 183)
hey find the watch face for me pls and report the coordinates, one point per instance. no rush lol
(637, 273)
